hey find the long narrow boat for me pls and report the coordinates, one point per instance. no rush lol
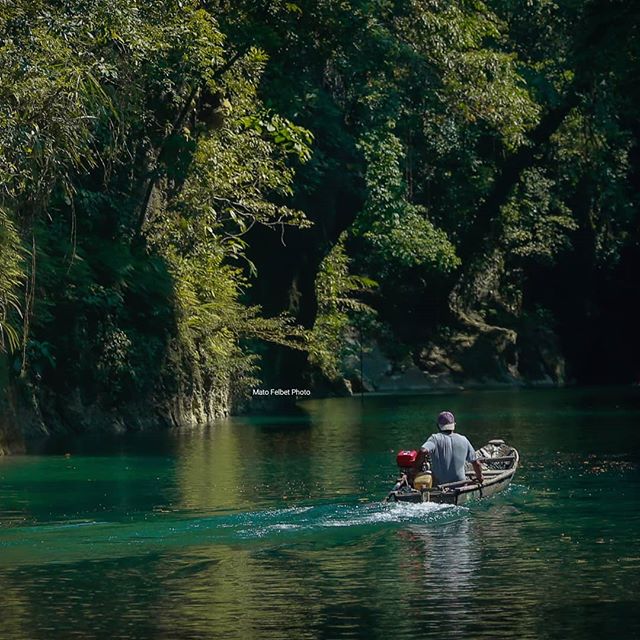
(499, 464)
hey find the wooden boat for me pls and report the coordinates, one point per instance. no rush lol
(499, 464)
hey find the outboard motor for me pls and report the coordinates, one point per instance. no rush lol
(420, 479)
(406, 460)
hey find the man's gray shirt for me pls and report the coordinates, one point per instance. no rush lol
(449, 452)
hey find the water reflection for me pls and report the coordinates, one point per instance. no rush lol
(447, 559)
(240, 463)
(450, 557)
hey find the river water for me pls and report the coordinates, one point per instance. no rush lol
(272, 527)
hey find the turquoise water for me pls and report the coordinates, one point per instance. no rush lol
(273, 527)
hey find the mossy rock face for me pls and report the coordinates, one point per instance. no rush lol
(10, 442)
(541, 359)
(494, 355)
(487, 355)
(27, 412)
(11, 435)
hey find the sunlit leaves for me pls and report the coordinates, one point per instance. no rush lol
(486, 86)
(398, 232)
(239, 176)
(11, 277)
(338, 309)
(290, 137)
(537, 223)
(478, 78)
(100, 103)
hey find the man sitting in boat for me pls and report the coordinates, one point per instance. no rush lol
(448, 452)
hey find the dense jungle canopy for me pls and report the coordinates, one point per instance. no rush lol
(196, 196)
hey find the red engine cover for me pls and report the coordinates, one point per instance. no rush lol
(406, 458)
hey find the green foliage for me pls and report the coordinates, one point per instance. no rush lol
(238, 178)
(480, 82)
(102, 103)
(398, 232)
(213, 325)
(592, 159)
(11, 277)
(537, 223)
(339, 311)
(231, 174)
(290, 138)
(143, 144)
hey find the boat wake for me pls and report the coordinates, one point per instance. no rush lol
(154, 532)
(350, 516)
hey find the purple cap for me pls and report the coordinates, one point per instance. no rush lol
(446, 421)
